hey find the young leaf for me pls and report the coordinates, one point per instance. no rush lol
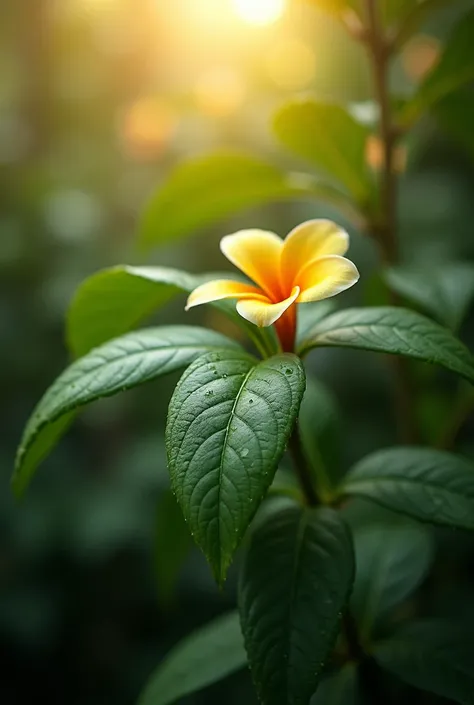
(115, 300)
(204, 190)
(445, 292)
(118, 365)
(454, 69)
(204, 657)
(228, 425)
(432, 655)
(295, 581)
(391, 560)
(329, 137)
(320, 433)
(426, 484)
(173, 543)
(392, 330)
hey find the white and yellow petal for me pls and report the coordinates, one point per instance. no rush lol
(221, 289)
(309, 241)
(264, 313)
(325, 277)
(257, 254)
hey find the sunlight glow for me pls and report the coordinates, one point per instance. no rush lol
(259, 12)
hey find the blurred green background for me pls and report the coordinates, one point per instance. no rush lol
(98, 100)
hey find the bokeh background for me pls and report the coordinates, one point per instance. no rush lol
(98, 100)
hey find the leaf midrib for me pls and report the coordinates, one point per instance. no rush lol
(221, 462)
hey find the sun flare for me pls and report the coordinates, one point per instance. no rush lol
(259, 12)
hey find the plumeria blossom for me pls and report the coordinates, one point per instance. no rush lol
(307, 266)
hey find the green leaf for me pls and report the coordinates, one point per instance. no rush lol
(445, 291)
(339, 688)
(432, 655)
(331, 139)
(392, 560)
(115, 300)
(320, 434)
(114, 367)
(392, 330)
(228, 425)
(455, 114)
(295, 581)
(310, 314)
(426, 484)
(414, 19)
(173, 544)
(206, 656)
(204, 190)
(454, 69)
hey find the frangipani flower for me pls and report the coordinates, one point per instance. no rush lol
(307, 266)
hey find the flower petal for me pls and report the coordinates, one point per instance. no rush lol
(222, 289)
(325, 277)
(264, 313)
(309, 241)
(257, 254)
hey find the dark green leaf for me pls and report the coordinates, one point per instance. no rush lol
(430, 485)
(320, 434)
(115, 300)
(454, 69)
(173, 543)
(114, 367)
(309, 316)
(433, 656)
(207, 189)
(228, 425)
(391, 560)
(392, 330)
(329, 137)
(295, 581)
(205, 657)
(445, 291)
(455, 114)
(419, 12)
(339, 689)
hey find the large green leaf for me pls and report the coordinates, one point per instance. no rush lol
(320, 434)
(426, 484)
(392, 560)
(173, 543)
(432, 655)
(295, 581)
(204, 657)
(445, 291)
(392, 330)
(228, 425)
(115, 300)
(454, 69)
(330, 138)
(118, 365)
(206, 189)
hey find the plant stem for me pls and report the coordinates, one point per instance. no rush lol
(301, 468)
(385, 229)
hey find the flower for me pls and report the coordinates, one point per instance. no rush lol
(307, 266)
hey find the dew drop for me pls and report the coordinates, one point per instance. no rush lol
(250, 401)
(244, 452)
(288, 371)
(209, 393)
(224, 376)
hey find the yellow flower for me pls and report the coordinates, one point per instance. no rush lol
(307, 266)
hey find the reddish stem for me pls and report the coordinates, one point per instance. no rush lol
(286, 329)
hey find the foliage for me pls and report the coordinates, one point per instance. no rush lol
(320, 598)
